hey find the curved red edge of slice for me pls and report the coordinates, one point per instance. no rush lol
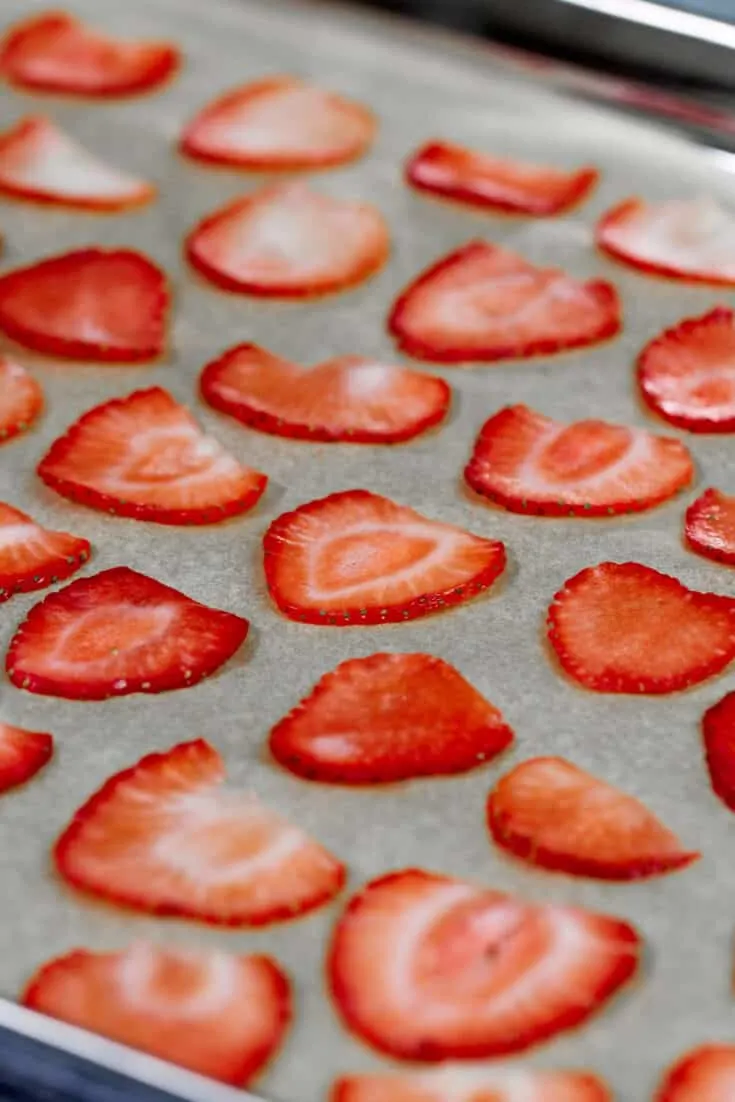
(704, 1074)
(21, 399)
(466, 1083)
(709, 526)
(36, 557)
(22, 754)
(718, 731)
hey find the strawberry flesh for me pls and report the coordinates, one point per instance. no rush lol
(718, 728)
(709, 526)
(706, 1074)
(467, 1084)
(22, 754)
(32, 557)
(21, 399)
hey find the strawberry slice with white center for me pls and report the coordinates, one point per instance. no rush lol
(426, 967)
(216, 1014)
(625, 628)
(529, 463)
(32, 557)
(706, 1074)
(358, 558)
(166, 837)
(279, 123)
(348, 399)
(388, 718)
(145, 457)
(287, 241)
(22, 754)
(718, 728)
(92, 304)
(485, 303)
(554, 815)
(116, 633)
(21, 399)
(459, 1083)
(709, 526)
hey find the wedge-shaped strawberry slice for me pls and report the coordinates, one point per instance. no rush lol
(718, 728)
(459, 1083)
(480, 973)
(21, 399)
(167, 837)
(707, 1074)
(358, 558)
(32, 557)
(116, 633)
(485, 303)
(145, 457)
(530, 464)
(93, 304)
(625, 628)
(709, 526)
(286, 241)
(22, 754)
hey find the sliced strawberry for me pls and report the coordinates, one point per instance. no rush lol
(145, 457)
(481, 973)
(21, 399)
(166, 837)
(718, 727)
(93, 304)
(707, 1074)
(457, 1083)
(32, 557)
(287, 241)
(485, 303)
(116, 633)
(358, 558)
(625, 628)
(709, 526)
(219, 1015)
(22, 754)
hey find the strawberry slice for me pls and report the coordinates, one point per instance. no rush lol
(92, 304)
(388, 718)
(530, 464)
(497, 183)
(145, 457)
(116, 633)
(718, 727)
(485, 303)
(707, 1074)
(287, 241)
(481, 973)
(54, 52)
(21, 399)
(166, 837)
(625, 628)
(457, 1083)
(709, 526)
(22, 754)
(32, 557)
(358, 558)
(346, 399)
(279, 123)
(216, 1014)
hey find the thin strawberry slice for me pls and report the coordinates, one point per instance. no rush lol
(458, 1083)
(709, 526)
(21, 399)
(287, 241)
(92, 304)
(346, 399)
(358, 558)
(220, 1015)
(485, 303)
(116, 633)
(707, 1074)
(625, 628)
(530, 464)
(22, 754)
(166, 837)
(32, 557)
(145, 457)
(481, 973)
(718, 728)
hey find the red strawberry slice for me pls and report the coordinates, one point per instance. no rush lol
(625, 628)
(707, 1074)
(479, 973)
(116, 633)
(718, 727)
(530, 464)
(279, 123)
(388, 718)
(358, 558)
(216, 1014)
(287, 241)
(54, 52)
(32, 557)
(145, 457)
(92, 304)
(22, 754)
(709, 526)
(21, 399)
(350, 398)
(485, 303)
(166, 837)
(457, 1083)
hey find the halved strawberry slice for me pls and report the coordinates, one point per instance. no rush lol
(481, 973)
(485, 303)
(92, 304)
(216, 1014)
(388, 718)
(116, 633)
(530, 464)
(32, 557)
(287, 241)
(718, 728)
(21, 399)
(709, 526)
(458, 1083)
(22, 754)
(625, 628)
(706, 1074)
(167, 837)
(358, 558)
(145, 457)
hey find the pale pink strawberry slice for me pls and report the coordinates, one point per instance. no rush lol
(426, 967)
(168, 838)
(32, 557)
(709, 526)
(529, 463)
(21, 399)
(22, 754)
(718, 728)
(116, 633)
(358, 558)
(145, 457)
(460, 1083)
(706, 1074)
(485, 303)
(219, 1015)
(288, 241)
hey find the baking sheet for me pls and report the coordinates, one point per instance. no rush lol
(648, 746)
